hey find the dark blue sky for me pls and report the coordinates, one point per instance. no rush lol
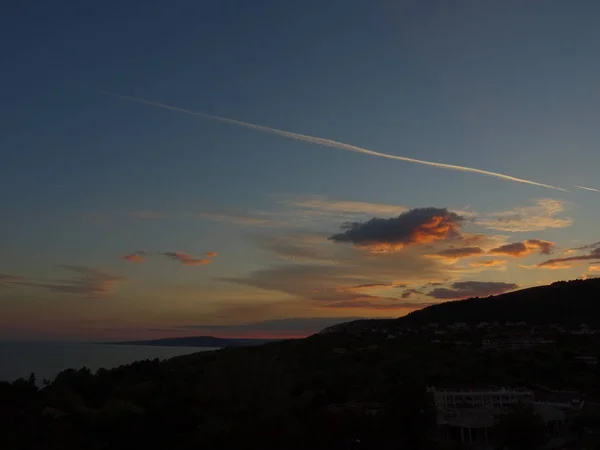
(509, 87)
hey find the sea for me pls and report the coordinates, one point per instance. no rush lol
(48, 359)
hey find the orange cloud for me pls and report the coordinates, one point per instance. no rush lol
(210, 254)
(519, 249)
(555, 265)
(186, 260)
(457, 253)
(137, 257)
(488, 263)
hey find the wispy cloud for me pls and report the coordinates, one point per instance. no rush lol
(148, 214)
(184, 258)
(187, 260)
(288, 327)
(587, 247)
(390, 307)
(565, 263)
(330, 143)
(239, 218)
(540, 217)
(369, 287)
(333, 206)
(302, 211)
(136, 257)
(489, 263)
(87, 281)
(8, 281)
(588, 188)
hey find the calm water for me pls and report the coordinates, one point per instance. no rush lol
(47, 359)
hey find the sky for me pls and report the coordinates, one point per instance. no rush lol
(268, 168)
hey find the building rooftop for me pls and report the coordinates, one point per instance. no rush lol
(480, 389)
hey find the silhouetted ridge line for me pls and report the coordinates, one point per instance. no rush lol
(564, 302)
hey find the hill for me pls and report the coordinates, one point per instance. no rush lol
(197, 341)
(564, 302)
(568, 303)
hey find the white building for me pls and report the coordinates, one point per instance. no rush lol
(514, 342)
(460, 397)
(469, 414)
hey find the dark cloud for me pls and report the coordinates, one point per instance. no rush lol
(544, 247)
(514, 249)
(417, 226)
(588, 247)
(466, 289)
(519, 249)
(564, 263)
(365, 304)
(410, 292)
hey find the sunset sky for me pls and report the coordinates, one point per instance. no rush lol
(127, 215)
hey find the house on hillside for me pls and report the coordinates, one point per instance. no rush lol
(515, 341)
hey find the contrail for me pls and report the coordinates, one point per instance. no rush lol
(587, 188)
(328, 142)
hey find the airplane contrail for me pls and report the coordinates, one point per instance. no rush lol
(588, 188)
(328, 142)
